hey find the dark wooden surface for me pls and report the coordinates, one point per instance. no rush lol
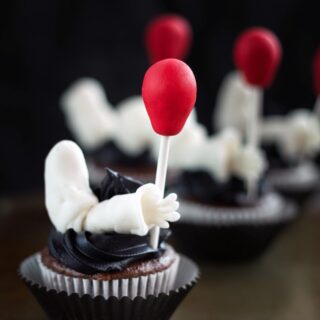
(282, 285)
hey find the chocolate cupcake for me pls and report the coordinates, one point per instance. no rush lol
(217, 208)
(99, 246)
(290, 143)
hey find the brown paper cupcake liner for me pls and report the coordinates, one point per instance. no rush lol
(60, 305)
(231, 233)
(152, 284)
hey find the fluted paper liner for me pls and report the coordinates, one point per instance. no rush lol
(61, 305)
(152, 284)
(232, 233)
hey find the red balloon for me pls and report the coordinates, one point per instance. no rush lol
(316, 72)
(169, 93)
(168, 36)
(257, 54)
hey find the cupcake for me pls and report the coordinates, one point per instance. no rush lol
(98, 260)
(218, 206)
(291, 142)
(108, 135)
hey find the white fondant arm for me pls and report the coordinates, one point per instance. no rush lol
(134, 213)
(272, 128)
(88, 113)
(297, 134)
(302, 138)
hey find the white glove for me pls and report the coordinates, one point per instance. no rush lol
(302, 136)
(157, 211)
(249, 163)
(134, 213)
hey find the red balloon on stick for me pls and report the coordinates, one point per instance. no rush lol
(257, 54)
(316, 72)
(169, 92)
(168, 36)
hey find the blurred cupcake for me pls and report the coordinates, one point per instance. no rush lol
(109, 136)
(216, 207)
(98, 261)
(290, 143)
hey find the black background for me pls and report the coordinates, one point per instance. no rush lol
(45, 45)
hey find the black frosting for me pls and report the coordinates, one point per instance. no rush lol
(93, 253)
(90, 253)
(115, 184)
(109, 154)
(200, 186)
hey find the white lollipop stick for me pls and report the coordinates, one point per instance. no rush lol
(253, 135)
(160, 182)
(169, 92)
(257, 54)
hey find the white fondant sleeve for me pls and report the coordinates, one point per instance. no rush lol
(134, 213)
(68, 196)
(235, 101)
(121, 213)
(88, 113)
(72, 212)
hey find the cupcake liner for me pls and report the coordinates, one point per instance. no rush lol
(60, 305)
(231, 233)
(296, 183)
(152, 284)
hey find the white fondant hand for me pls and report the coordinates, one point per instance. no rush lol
(302, 135)
(249, 163)
(158, 211)
(134, 213)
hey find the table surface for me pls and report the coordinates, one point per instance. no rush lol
(283, 284)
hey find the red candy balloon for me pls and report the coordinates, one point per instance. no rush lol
(257, 54)
(168, 36)
(169, 92)
(316, 72)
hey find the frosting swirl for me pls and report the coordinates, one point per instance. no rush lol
(90, 253)
(114, 184)
(199, 185)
